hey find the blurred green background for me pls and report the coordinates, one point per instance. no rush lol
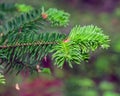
(100, 76)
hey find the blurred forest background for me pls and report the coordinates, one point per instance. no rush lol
(100, 76)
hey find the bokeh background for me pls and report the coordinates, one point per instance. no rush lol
(100, 76)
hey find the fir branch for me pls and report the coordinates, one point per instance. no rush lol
(80, 42)
(38, 43)
(23, 21)
(24, 42)
(21, 51)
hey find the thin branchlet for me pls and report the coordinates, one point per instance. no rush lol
(27, 44)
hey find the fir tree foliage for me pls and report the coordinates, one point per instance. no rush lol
(7, 8)
(15, 7)
(58, 17)
(24, 41)
(79, 43)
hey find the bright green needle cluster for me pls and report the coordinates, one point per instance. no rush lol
(81, 41)
(23, 7)
(58, 17)
(2, 79)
